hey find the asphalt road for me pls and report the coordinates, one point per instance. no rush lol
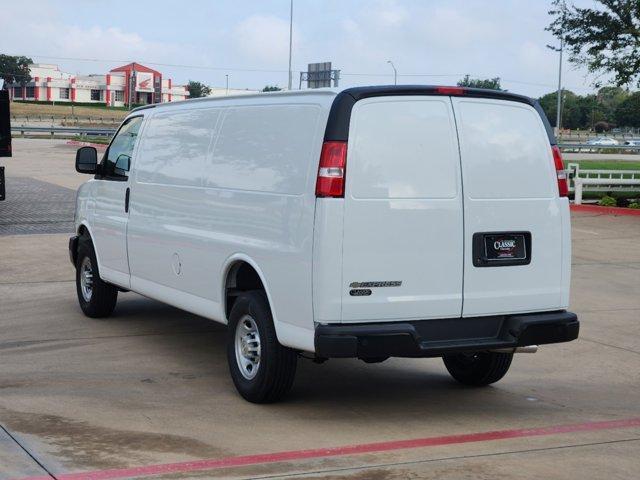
(146, 393)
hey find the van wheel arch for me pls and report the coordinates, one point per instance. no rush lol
(241, 277)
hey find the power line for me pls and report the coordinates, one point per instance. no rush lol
(175, 65)
(402, 74)
(259, 70)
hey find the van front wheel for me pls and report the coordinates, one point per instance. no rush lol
(97, 298)
(262, 369)
(478, 368)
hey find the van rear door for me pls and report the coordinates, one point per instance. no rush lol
(403, 224)
(512, 212)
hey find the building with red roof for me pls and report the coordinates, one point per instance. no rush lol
(128, 85)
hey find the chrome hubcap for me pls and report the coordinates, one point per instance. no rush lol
(86, 279)
(247, 347)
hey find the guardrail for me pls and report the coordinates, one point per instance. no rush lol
(586, 135)
(582, 147)
(66, 118)
(82, 131)
(581, 180)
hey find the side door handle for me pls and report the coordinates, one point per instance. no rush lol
(126, 199)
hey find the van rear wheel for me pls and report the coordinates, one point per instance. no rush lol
(262, 370)
(478, 368)
(97, 298)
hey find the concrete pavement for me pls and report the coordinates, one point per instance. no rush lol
(150, 385)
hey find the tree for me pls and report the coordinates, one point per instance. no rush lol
(584, 111)
(628, 112)
(608, 100)
(606, 38)
(197, 89)
(490, 83)
(548, 104)
(577, 111)
(271, 88)
(14, 69)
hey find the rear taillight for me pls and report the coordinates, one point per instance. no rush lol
(561, 173)
(333, 162)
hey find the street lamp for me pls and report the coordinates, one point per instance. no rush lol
(559, 95)
(227, 83)
(395, 72)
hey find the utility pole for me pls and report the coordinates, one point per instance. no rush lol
(559, 94)
(290, 42)
(227, 77)
(395, 72)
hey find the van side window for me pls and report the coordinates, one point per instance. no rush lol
(117, 160)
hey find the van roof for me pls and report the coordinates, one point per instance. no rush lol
(340, 113)
(287, 93)
(358, 93)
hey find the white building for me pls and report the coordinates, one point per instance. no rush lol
(223, 91)
(131, 84)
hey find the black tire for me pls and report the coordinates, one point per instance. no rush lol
(277, 365)
(103, 296)
(478, 369)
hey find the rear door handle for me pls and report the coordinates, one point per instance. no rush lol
(126, 200)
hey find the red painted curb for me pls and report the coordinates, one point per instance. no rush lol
(606, 210)
(260, 459)
(77, 143)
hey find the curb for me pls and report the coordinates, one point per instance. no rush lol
(77, 143)
(606, 210)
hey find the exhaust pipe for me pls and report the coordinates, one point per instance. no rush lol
(526, 349)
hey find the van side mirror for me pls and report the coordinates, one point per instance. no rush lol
(123, 163)
(87, 160)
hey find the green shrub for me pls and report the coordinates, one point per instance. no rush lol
(607, 201)
(634, 205)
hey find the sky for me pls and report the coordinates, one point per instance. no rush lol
(429, 41)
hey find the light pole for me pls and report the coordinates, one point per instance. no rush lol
(559, 94)
(227, 83)
(395, 72)
(290, 42)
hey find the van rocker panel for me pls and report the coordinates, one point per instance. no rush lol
(432, 338)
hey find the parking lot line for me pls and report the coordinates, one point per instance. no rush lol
(378, 447)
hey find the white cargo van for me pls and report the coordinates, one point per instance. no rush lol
(374, 222)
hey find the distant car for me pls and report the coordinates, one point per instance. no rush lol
(602, 141)
(634, 142)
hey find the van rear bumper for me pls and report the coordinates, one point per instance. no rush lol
(434, 338)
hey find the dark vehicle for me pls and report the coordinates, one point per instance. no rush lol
(5, 135)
